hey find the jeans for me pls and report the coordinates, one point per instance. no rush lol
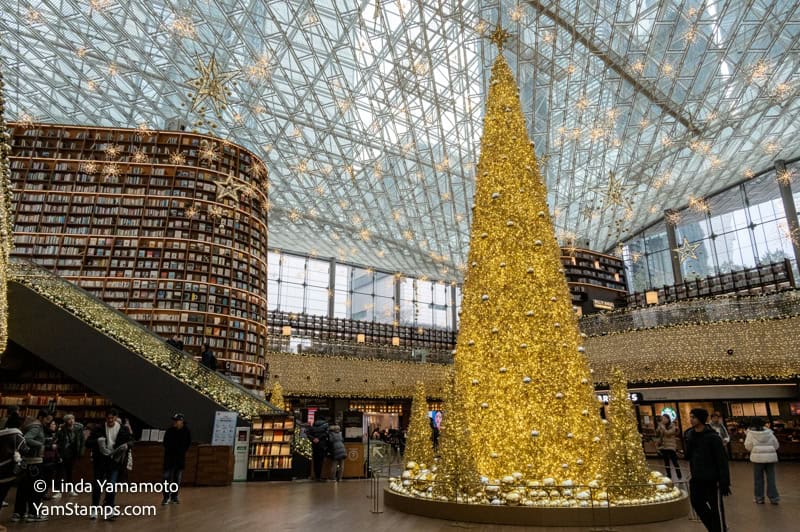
(110, 475)
(338, 468)
(705, 498)
(172, 474)
(758, 482)
(669, 454)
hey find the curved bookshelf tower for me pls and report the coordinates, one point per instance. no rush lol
(168, 226)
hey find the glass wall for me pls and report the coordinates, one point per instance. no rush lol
(743, 226)
(302, 285)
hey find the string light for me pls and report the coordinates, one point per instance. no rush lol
(6, 220)
(137, 339)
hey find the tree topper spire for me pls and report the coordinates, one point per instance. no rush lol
(499, 36)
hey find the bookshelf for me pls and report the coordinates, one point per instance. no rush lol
(270, 456)
(33, 385)
(596, 281)
(138, 221)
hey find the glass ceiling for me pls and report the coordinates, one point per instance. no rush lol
(369, 113)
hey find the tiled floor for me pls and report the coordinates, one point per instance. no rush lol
(331, 507)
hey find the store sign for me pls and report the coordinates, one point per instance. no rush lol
(602, 304)
(635, 397)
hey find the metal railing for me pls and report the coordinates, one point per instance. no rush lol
(137, 339)
(315, 346)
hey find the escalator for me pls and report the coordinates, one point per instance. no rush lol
(117, 357)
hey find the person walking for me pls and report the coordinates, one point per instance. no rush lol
(338, 451)
(71, 443)
(763, 446)
(110, 443)
(667, 434)
(177, 440)
(719, 426)
(708, 464)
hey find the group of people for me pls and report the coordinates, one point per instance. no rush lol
(705, 450)
(394, 437)
(40, 450)
(327, 440)
(36, 449)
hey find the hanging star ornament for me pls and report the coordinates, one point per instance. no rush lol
(229, 188)
(616, 194)
(686, 251)
(211, 86)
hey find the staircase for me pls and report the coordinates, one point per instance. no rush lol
(117, 357)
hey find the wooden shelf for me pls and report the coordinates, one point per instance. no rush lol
(203, 278)
(270, 446)
(596, 280)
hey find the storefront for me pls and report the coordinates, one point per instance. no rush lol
(778, 404)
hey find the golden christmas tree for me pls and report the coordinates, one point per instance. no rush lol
(523, 380)
(522, 385)
(456, 475)
(276, 396)
(6, 221)
(419, 446)
(626, 471)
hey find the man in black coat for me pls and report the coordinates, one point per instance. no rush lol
(318, 434)
(177, 440)
(708, 463)
(110, 444)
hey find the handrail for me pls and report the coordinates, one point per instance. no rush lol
(138, 339)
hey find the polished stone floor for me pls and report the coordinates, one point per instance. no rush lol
(345, 506)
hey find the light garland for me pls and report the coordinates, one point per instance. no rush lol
(419, 446)
(6, 221)
(304, 375)
(139, 340)
(761, 351)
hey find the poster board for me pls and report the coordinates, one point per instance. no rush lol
(224, 428)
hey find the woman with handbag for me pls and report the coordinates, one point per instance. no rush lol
(667, 434)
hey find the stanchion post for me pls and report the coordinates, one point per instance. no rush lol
(376, 492)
